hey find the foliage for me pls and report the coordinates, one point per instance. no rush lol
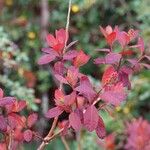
(20, 35)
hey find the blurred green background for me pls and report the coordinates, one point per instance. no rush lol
(23, 27)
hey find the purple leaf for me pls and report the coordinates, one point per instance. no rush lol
(46, 50)
(72, 75)
(85, 88)
(114, 97)
(54, 112)
(61, 79)
(15, 120)
(124, 78)
(70, 55)
(65, 127)
(100, 130)
(91, 118)
(98, 61)
(134, 62)
(45, 59)
(6, 101)
(50, 51)
(126, 70)
(27, 135)
(122, 38)
(112, 58)
(59, 68)
(3, 125)
(70, 99)
(31, 120)
(75, 121)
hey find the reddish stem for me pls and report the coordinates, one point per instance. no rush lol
(48, 137)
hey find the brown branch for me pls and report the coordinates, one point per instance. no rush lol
(48, 137)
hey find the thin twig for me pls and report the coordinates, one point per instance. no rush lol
(10, 140)
(67, 24)
(65, 143)
(43, 144)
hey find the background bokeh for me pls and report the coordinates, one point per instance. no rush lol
(23, 27)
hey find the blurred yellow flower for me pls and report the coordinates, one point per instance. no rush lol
(31, 35)
(9, 2)
(118, 108)
(20, 71)
(75, 8)
(4, 54)
(126, 110)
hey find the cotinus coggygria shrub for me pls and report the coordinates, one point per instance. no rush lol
(84, 101)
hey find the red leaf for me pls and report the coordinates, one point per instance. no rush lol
(6, 101)
(54, 112)
(111, 38)
(3, 146)
(100, 130)
(28, 135)
(115, 95)
(85, 88)
(15, 120)
(31, 120)
(98, 61)
(51, 40)
(50, 51)
(124, 79)
(61, 79)
(3, 124)
(59, 68)
(22, 105)
(72, 76)
(70, 99)
(75, 121)
(123, 38)
(61, 35)
(57, 43)
(127, 53)
(70, 55)
(59, 97)
(91, 118)
(17, 106)
(134, 62)
(110, 76)
(45, 59)
(103, 31)
(112, 58)
(63, 124)
(81, 59)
